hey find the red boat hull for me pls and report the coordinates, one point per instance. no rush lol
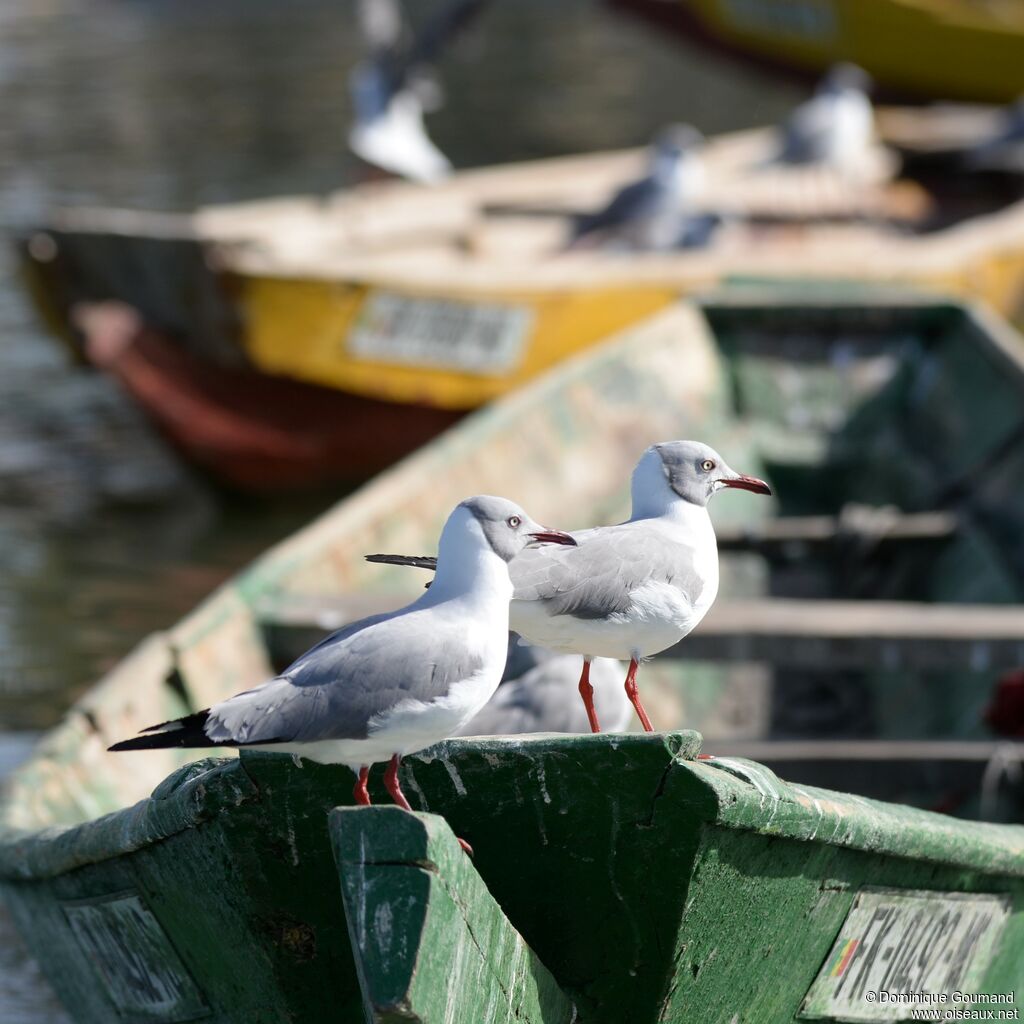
(249, 430)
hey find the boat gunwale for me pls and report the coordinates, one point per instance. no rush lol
(738, 787)
(188, 797)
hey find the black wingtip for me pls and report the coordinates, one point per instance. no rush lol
(180, 732)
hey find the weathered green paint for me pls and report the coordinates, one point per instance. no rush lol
(431, 944)
(651, 886)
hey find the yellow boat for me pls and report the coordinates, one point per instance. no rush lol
(446, 297)
(932, 49)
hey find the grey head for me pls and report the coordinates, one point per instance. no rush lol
(695, 471)
(507, 528)
(846, 76)
(674, 141)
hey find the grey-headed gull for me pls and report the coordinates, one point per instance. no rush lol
(392, 87)
(651, 213)
(835, 126)
(393, 683)
(1003, 150)
(632, 590)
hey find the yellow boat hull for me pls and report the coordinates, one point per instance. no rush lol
(453, 295)
(942, 49)
(304, 329)
(309, 329)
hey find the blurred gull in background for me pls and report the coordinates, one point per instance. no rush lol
(652, 214)
(1003, 151)
(395, 84)
(835, 127)
(538, 693)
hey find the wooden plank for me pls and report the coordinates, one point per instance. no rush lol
(876, 526)
(432, 946)
(860, 634)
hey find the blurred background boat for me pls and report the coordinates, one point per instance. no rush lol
(955, 49)
(300, 340)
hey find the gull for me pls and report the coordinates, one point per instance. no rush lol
(538, 691)
(393, 683)
(834, 127)
(391, 88)
(650, 214)
(1003, 150)
(631, 590)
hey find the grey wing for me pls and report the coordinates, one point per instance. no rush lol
(597, 578)
(546, 699)
(805, 132)
(1002, 154)
(522, 657)
(336, 688)
(635, 201)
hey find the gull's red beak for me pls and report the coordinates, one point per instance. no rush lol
(747, 483)
(553, 537)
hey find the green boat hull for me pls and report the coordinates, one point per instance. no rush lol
(647, 887)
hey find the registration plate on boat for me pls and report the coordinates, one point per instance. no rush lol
(900, 952)
(139, 968)
(439, 333)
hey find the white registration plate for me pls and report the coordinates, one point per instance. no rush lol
(486, 338)
(900, 951)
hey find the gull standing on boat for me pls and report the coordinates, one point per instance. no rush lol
(834, 128)
(650, 214)
(538, 694)
(632, 590)
(393, 683)
(391, 88)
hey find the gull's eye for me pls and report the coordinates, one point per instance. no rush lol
(707, 465)
(514, 522)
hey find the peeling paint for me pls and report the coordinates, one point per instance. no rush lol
(453, 774)
(542, 781)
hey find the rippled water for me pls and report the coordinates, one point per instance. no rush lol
(155, 103)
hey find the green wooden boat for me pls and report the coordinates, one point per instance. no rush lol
(617, 879)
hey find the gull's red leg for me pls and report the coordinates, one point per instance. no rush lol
(395, 789)
(634, 696)
(359, 790)
(392, 784)
(587, 693)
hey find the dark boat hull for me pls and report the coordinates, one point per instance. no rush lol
(250, 430)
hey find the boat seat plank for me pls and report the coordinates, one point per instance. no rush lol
(875, 526)
(445, 932)
(889, 635)
(845, 750)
